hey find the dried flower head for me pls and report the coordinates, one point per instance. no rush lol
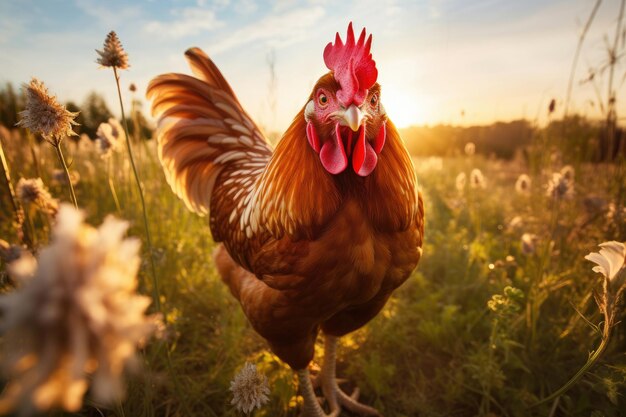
(32, 192)
(552, 106)
(522, 185)
(470, 149)
(568, 173)
(559, 187)
(110, 136)
(460, 181)
(113, 54)
(132, 87)
(250, 389)
(610, 262)
(44, 115)
(477, 180)
(78, 318)
(528, 243)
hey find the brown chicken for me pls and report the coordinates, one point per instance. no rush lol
(315, 234)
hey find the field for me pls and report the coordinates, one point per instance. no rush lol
(487, 325)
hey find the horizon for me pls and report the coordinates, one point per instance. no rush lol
(440, 63)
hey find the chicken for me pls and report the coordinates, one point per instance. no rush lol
(315, 234)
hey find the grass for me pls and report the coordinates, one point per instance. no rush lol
(436, 349)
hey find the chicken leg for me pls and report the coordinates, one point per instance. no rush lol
(334, 395)
(311, 406)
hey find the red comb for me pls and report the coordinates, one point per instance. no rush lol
(352, 65)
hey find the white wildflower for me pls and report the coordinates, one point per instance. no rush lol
(460, 181)
(559, 187)
(522, 185)
(528, 243)
(110, 137)
(610, 261)
(250, 389)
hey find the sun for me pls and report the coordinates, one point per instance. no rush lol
(405, 108)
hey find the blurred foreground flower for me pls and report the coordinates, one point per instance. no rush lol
(559, 187)
(110, 136)
(250, 389)
(43, 114)
(113, 54)
(477, 180)
(33, 193)
(77, 319)
(522, 185)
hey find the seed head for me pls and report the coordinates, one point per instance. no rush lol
(249, 389)
(109, 137)
(477, 180)
(44, 115)
(470, 148)
(559, 187)
(33, 192)
(113, 54)
(77, 320)
(132, 87)
(528, 243)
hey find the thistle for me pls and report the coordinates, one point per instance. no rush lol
(113, 54)
(249, 388)
(76, 319)
(44, 115)
(559, 187)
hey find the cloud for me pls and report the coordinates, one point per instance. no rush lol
(187, 22)
(278, 30)
(108, 16)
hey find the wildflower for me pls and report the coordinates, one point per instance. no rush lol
(43, 114)
(109, 137)
(113, 54)
(33, 192)
(477, 180)
(461, 179)
(249, 389)
(522, 185)
(76, 320)
(559, 187)
(568, 173)
(528, 243)
(610, 262)
(470, 149)
(58, 176)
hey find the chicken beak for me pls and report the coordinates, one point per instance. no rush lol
(353, 117)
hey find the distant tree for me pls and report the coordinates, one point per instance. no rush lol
(10, 104)
(93, 112)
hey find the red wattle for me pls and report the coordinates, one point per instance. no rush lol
(333, 155)
(311, 135)
(379, 142)
(364, 157)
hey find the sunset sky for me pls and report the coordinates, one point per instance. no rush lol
(491, 59)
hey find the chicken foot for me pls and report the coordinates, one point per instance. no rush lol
(311, 406)
(334, 395)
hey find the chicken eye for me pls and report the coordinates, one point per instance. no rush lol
(322, 100)
(374, 100)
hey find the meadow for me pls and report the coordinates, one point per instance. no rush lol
(488, 324)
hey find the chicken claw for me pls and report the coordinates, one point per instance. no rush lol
(334, 395)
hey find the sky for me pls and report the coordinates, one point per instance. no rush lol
(439, 61)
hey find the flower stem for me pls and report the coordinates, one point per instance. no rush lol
(57, 147)
(582, 371)
(155, 281)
